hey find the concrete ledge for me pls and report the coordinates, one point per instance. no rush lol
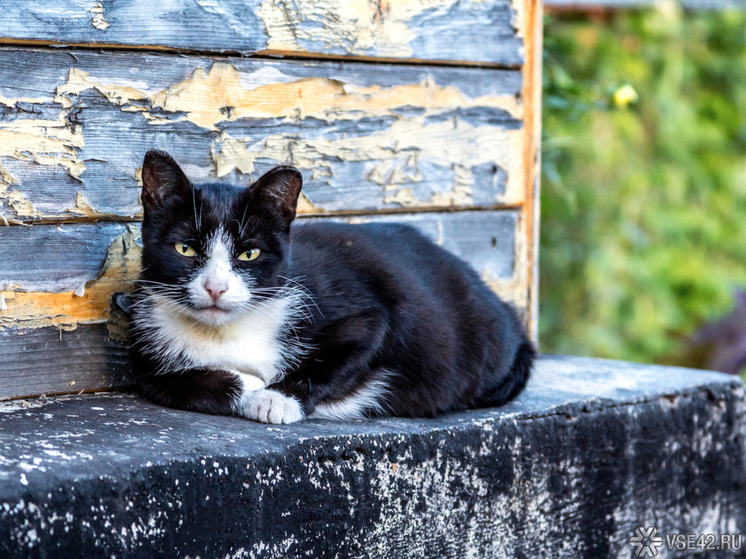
(592, 450)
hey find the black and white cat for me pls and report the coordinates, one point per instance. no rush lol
(238, 313)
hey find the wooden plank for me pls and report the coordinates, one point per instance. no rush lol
(52, 361)
(443, 30)
(63, 276)
(54, 259)
(50, 337)
(69, 275)
(493, 243)
(531, 93)
(75, 125)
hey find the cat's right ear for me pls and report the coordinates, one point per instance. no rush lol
(280, 187)
(161, 178)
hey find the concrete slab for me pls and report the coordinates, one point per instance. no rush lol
(590, 451)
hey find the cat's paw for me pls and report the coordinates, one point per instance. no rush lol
(270, 406)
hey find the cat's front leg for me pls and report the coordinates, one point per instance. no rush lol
(221, 392)
(202, 390)
(270, 406)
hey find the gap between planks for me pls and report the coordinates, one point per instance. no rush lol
(262, 54)
(109, 218)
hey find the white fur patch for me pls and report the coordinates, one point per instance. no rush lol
(269, 406)
(368, 398)
(249, 383)
(251, 344)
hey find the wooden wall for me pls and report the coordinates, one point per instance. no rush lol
(424, 112)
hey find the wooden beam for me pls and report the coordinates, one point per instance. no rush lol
(439, 30)
(75, 125)
(54, 361)
(530, 24)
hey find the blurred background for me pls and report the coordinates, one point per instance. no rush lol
(643, 225)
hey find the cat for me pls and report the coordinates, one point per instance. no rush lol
(238, 311)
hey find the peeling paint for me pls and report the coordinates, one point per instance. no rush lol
(232, 155)
(97, 16)
(210, 98)
(207, 98)
(355, 26)
(12, 103)
(118, 92)
(51, 142)
(519, 17)
(46, 142)
(83, 207)
(21, 205)
(305, 206)
(87, 304)
(416, 29)
(397, 147)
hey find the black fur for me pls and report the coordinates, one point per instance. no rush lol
(383, 298)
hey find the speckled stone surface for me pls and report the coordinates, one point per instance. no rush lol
(590, 451)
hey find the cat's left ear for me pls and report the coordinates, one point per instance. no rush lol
(281, 188)
(161, 177)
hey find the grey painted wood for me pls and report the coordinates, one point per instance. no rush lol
(470, 30)
(52, 361)
(75, 125)
(484, 240)
(54, 258)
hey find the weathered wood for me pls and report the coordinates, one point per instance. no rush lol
(58, 314)
(69, 276)
(54, 258)
(379, 141)
(531, 94)
(75, 125)
(444, 30)
(493, 243)
(52, 361)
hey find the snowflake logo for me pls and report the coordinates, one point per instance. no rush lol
(646, 541)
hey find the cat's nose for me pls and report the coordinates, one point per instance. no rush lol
(216, 288)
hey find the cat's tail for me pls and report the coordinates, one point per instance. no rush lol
(514, 382)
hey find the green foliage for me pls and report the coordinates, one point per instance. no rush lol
(643, 202)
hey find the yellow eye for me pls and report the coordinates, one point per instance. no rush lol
(250, 255)
(185, 250)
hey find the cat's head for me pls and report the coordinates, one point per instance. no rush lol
(213, 251)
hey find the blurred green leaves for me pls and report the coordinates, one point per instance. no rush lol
(643, 234)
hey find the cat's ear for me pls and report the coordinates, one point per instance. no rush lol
(161, 177)
(281, 188)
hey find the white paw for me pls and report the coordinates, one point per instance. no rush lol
(270, 406)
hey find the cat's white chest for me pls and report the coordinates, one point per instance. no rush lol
(251, 344)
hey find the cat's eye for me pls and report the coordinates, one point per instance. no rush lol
(185, 250)
(250, 255)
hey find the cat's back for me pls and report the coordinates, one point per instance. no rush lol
(451, 340)
(339, 235)
(392, 262)
(396, 247)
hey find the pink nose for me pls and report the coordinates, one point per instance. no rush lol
(216, 288)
